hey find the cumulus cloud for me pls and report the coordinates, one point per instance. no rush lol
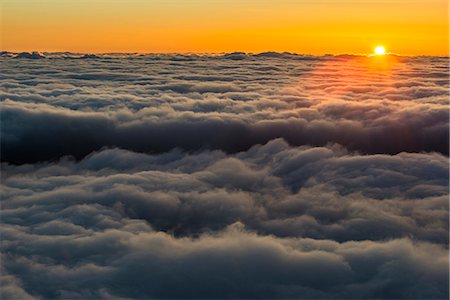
(30, 55)
(154, 105)
(274, 221)
(274, 189)
(273, 175)
(146, 264)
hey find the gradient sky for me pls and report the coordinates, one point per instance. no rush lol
(409, 27)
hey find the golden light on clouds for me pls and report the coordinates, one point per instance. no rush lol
(317, 27)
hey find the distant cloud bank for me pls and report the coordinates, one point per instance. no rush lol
(272, 175)
(155, 103)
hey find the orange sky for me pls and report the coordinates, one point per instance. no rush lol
(412, 27)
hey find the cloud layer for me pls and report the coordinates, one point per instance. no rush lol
(274, 221)
(233, 176)
(57, 107)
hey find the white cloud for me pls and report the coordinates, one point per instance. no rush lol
(261, 176)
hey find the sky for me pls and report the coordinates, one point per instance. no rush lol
(409, 27)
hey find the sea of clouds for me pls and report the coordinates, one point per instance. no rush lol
(268, 175)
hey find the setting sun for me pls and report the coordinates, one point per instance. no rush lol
(380, 50)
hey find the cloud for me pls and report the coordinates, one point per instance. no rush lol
(232, 176)
(154, 105)
(38, 132)
(30, 55)
(276, 221)
(274, 189)
(12, 288)
(231, 264)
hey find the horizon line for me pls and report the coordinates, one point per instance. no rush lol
(224, 53)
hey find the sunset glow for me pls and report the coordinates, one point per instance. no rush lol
(314, 27)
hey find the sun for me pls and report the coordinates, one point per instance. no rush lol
(379, 50)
